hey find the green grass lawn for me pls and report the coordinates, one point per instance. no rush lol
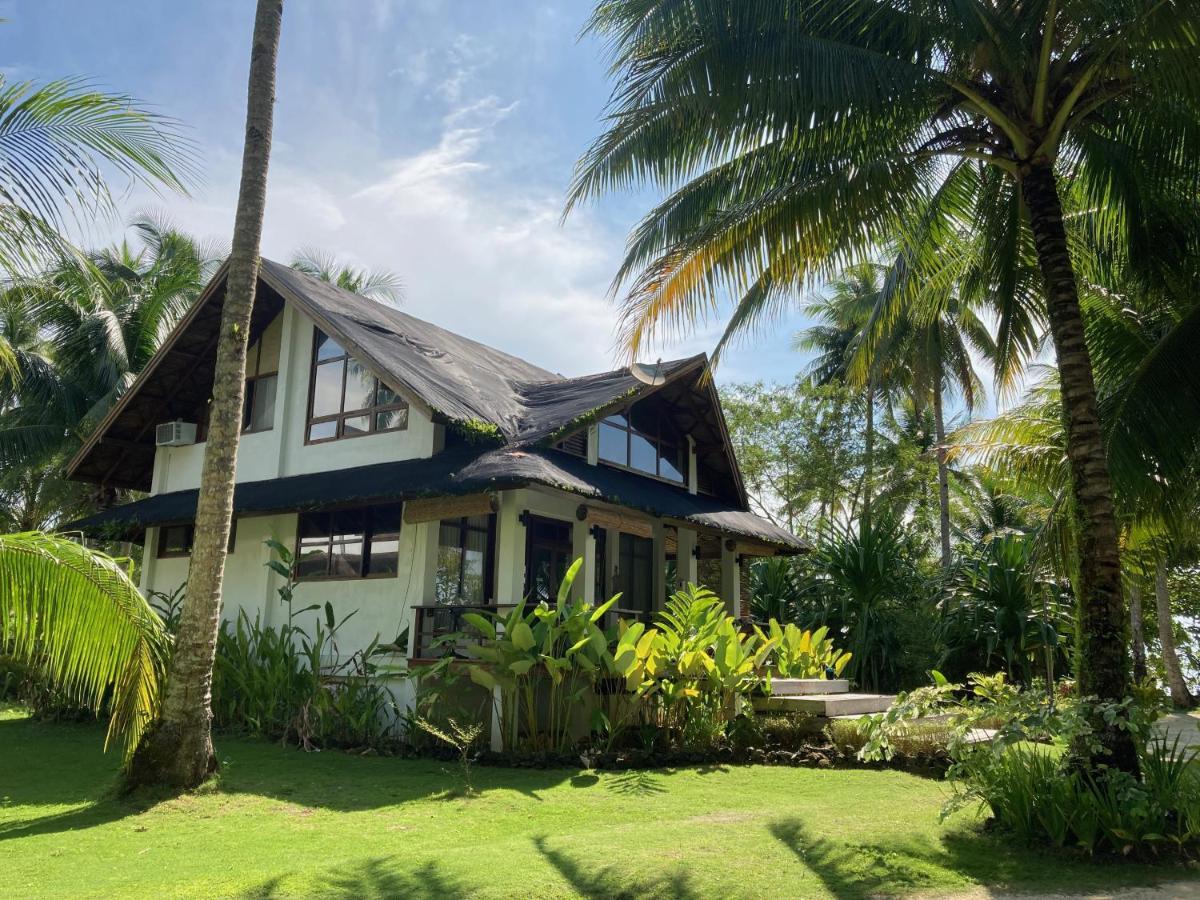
(282, 822)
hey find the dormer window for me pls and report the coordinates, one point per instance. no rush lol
(345, 399)
(643, 439)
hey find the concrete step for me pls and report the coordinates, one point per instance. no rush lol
(827, 705)
(790, 687)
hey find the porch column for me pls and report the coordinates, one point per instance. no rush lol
(510, 550)
(731, 578)
(659, 563)
(584, 547)
(685, 557)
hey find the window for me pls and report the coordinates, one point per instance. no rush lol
(635, 572)
(177, 540)
(466, 547)
(345, 399)
(643, 439)
(349, 543)
(262, 381)
(548, 554)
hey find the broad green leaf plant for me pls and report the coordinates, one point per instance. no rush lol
(76, 615)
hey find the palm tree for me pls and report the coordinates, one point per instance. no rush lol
(381, 286)
(80, 331)
(59, 144)
(178, 750)
(76, 616)
(794, 134)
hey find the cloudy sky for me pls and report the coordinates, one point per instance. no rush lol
(432, 138)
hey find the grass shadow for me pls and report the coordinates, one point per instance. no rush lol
(615, 881)
(376, 877)
(636, 783)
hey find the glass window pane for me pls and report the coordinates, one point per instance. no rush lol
(312, 560)
(391, 419)
(322, 431)
(356, 425)
(643, 454)
(449, 566)
(346, 550)
(175, 539)
(360, 386)
(613, 444)
(327, 389)
(327, 347)
(670, 464)
(385, 396)
(262, 407)
(618, 419)
(247, 405)
(644, 419)
(385, 540)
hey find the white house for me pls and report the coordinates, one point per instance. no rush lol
(417, 472)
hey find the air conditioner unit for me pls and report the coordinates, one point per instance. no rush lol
(175, 434)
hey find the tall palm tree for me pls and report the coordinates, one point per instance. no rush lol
(178, 750)
(382, 286)
(794, 134)
(80, 332)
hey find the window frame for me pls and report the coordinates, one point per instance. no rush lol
(656, 440)
(368, 535)
(161, 553)
(489, 558)
(250, 391)
(339, 418)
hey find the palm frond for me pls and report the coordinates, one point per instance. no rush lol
(76, 615)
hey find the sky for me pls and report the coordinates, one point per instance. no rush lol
(430, 138)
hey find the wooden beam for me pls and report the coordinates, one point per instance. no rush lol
(613, 520)
(433, 509)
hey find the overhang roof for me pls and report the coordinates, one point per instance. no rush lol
(466, 470)
(460, 381)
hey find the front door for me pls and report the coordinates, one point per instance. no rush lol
(548, 554)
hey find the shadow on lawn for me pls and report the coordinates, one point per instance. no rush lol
(861, 869)
(615, 880)
(376, 877)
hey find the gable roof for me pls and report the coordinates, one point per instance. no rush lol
(460, 381)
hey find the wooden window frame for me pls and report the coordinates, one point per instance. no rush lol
(489, 558)
(656, 440)
(530, 520)
(339, 418)
(367, 538)
(251, 390)
(161, 553)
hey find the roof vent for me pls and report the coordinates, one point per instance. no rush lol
(175, 434)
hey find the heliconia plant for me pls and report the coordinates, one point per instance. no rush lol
(805, 654)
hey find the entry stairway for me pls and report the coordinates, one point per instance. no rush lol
(829, 698)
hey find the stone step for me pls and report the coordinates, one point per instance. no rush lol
(827, 705)
(790, 687)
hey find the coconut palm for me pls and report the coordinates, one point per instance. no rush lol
(78, 619)
(794, 134)
(60, 143)
(178, 749)
(384, 287)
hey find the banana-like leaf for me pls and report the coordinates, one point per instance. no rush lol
(522, 636)
(76, 615)
(482, 623)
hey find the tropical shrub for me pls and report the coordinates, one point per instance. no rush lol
(774, 589)
(805, 654)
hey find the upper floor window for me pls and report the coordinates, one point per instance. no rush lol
(643, 439)
(345, 399)
(262, 381)
(349, 543)
(177, 540)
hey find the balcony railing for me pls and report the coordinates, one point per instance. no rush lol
(436, 622)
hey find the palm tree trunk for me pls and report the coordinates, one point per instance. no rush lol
(939, 428)
(1180, 696)
(1103, 668)
(1137, 631)
(178, 750)
(869, 455)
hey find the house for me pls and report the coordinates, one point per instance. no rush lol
(417, 472)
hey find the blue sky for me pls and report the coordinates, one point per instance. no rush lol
(434, 139)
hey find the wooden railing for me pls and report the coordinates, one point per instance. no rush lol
(436, 622)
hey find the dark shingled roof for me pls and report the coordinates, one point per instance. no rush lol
(465, 470)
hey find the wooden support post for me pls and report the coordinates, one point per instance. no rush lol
(659, 563)
(685, 557)
(510, 550)
(584, 546)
